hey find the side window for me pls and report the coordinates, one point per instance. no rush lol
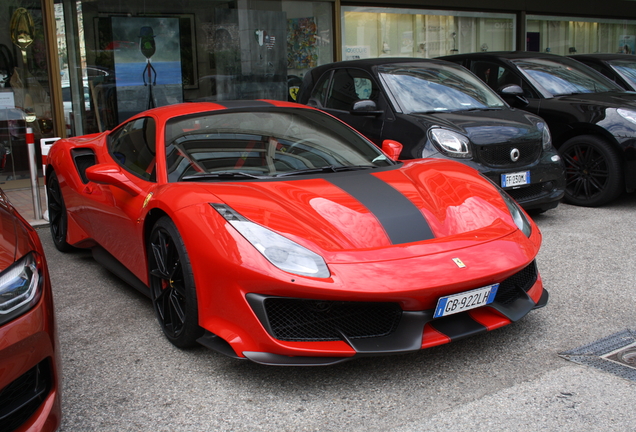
(497, 76)
(488, 72)
(349, 86)
(317, 97)
(133, 147)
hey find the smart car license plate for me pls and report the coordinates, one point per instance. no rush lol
(465, 301)
(515, 179)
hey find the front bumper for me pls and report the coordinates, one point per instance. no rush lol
(547, 177)
(29, 383)
(314, 323)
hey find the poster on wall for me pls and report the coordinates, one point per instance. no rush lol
(302, 52)
(147, 63)
(627, 44)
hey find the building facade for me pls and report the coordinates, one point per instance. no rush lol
(74, 67)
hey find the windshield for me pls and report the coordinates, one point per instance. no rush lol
(431, 87)
(564, 76)
(263, 144)
(625, 68)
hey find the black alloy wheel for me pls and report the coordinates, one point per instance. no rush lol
(593, 171)
(58, 221)
(172, 285)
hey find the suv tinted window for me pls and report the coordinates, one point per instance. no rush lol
(497, 76)
(317, 97)
(349, 86)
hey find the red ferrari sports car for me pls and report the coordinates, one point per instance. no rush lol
(274, 232)
(29, 348)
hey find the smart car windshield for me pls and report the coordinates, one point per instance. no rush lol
(625, 68)
(563, 76)
(263, 144)
(433, 87)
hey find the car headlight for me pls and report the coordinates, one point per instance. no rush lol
(517, 214)
(20, 288)
(628, 115)
(451, 143)
(546, 138)
(278, 250)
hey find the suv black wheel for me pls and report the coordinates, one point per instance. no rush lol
(593, 171)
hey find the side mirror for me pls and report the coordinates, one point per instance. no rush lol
(392, 149)
(366, 107)
(110, 174)
(513, 95)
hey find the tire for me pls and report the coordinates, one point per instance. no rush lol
(172, 289)
(593, 171)
(58, 218)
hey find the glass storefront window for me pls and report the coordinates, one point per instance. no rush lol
(119, 59)
(25, 100)
(370, 32)
(565, 35)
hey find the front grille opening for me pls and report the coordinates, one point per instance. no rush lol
(510, 289)
(316, 320)
(499, 155)
(20, 399)
(529, 192)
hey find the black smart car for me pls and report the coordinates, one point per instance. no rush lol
(592, 119)
(620, 68)
(438, 109)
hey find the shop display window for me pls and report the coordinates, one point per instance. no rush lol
(121, 58)
(370, 32)
(569, 35)
(25, 100)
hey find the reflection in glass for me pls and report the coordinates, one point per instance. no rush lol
(266, 143)
(22, 31)
(626, 69)
(426, 88)
(560, 78)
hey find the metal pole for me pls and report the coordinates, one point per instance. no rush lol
(33, 167)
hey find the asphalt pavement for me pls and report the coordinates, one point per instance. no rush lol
(121, 374)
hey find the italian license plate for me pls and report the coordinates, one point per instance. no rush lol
(515, 179)
(465, 301)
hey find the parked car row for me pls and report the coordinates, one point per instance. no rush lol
(592, 119)
(439, 110)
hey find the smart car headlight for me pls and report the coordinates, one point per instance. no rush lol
(628, 115)
(19, 288)
(278, 250)
(546, 138)
(451, 143)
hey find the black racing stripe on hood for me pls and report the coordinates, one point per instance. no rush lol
(244, 104)
(402, 221)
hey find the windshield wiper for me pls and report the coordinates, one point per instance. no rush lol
(223, 175)
(328, 168)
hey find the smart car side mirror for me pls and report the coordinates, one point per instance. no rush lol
(110, 174)
(513, 95)
(392, 149)
(366, 107)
